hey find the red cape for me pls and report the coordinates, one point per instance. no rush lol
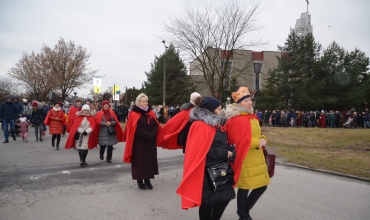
(47, 119)
(167, 137)
(199, 141)
(117, 127)
(71, 116)
(239, 133)
(92, 143)
(129, 133)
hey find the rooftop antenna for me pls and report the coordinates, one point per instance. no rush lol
(307, 5)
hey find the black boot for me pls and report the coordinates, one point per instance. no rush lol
(141, 184)
(52, 143)
(84, 156)
(57, 146)
(148, 184)
(81, 157)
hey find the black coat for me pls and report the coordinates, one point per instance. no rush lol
(217, 153)
(144, 151)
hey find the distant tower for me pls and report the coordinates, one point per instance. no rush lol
(303, 25)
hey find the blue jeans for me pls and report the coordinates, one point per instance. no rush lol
(6, 129)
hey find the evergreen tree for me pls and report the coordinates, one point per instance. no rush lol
(308, 78)
(178, 86)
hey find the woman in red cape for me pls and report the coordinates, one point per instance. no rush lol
(72, 113)
(104, 119)
(140, 136)
(174, 133)
(243, 129)
(207, 145)
(82, 135)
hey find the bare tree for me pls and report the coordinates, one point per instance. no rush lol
(59, 69)
(210, 37)
(32, 71)
(7, 87)
(68, 64)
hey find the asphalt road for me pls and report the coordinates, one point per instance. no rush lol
(39, 182)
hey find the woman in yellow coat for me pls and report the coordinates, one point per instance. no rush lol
(251, 176)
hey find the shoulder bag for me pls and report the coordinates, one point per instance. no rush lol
(270, 161)
(111, 130)
(221, 175)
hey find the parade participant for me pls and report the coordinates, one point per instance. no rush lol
(37, 119)
(8, 112)
(250, 168)
(174, 133)
(19, 106)
(72, 112)
(206, 146)
(55, 119)
(23, 126)
(140, 136)
(82, 135)
(107, 122)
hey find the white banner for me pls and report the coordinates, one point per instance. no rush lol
(97, 82)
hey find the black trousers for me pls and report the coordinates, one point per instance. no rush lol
(109, 151)
(212, 211)
(57, 136)
(245, 202)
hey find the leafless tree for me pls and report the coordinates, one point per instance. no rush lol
(210, 37)
(59, 69)
(32, 71)
(7, 87)
(68, 63)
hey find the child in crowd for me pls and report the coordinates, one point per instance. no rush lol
(23, 124)
(26, 115)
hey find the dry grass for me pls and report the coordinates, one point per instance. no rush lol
(340, 150)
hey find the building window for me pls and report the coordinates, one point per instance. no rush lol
(257, 70)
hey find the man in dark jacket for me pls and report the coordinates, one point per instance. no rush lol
(37, 119)
(18, 105)
(8, 112)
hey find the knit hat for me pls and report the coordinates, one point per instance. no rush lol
(34, 104)
(210, 103)
(240, 94)
(8, 97)
(85, 107)
(194, 96)
(104, 102)
(60, 103)
(24, 119)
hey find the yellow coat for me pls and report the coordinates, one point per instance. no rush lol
(253, 172)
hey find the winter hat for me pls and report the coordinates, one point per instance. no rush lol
(240, 94)
(66, 103)
(34, 104)
(210, 103)
(60, 103)
(8, 97)
(85, 107)
(104, 102)
(194, 96)
(25, 100)
(24, 119)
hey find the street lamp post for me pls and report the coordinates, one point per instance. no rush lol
(164, 73)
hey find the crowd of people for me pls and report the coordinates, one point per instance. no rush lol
(210, 137)
(323, 119)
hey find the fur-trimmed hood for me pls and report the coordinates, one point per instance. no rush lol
(233, 110)
(187, 106)
(210, 118)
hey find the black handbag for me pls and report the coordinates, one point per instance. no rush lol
(221, 175)
(111, 130)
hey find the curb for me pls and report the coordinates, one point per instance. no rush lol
(325, 171)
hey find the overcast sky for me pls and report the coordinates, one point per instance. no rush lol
(123, 35)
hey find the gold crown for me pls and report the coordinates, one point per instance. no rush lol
(242, 92)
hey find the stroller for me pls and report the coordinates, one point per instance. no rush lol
(348, 123)
(17, 129)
